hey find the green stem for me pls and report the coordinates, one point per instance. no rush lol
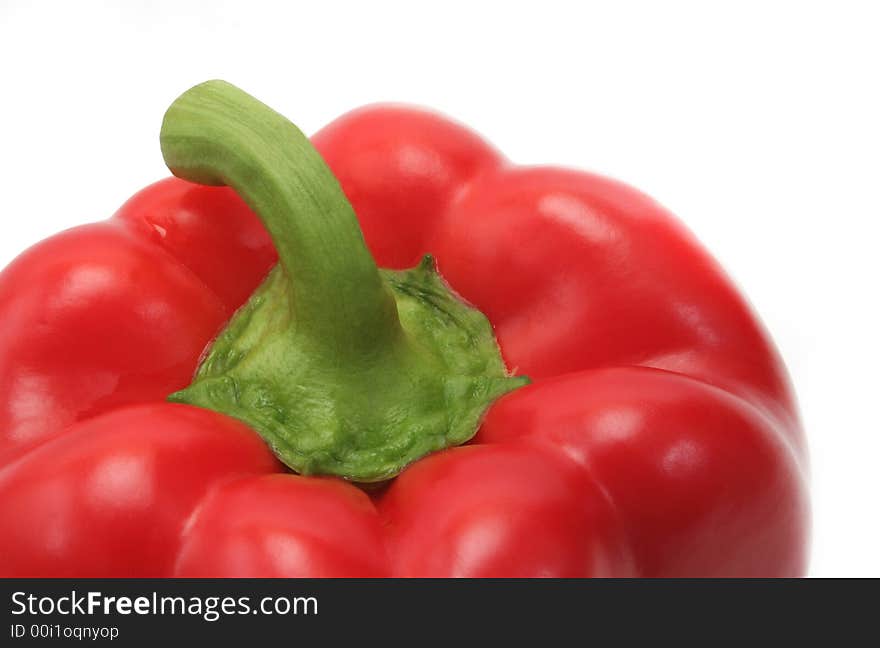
(342, 368)
(217, 134)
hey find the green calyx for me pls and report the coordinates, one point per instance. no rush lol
(342, 368)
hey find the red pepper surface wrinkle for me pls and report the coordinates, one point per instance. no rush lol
(659, 437)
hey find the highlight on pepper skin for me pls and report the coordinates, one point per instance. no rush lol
(386, 351)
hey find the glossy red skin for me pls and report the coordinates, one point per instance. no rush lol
(113, 494)
(660, 436)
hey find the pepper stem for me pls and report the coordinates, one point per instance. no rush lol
(217, 134)
(342, 368)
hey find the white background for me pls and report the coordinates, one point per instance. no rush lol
(757, 123)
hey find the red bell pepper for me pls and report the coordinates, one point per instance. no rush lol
(658, 437)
